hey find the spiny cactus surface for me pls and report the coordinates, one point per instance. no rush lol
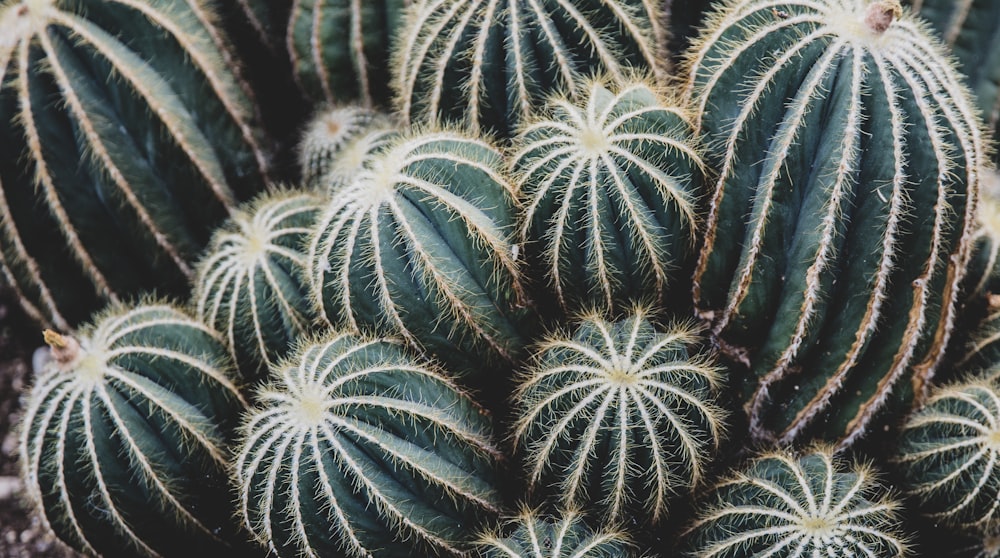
(121, 152)
(984, 269)
(357, 449)
(565, 535)
(610, 187)
(124, 439)
(982, 350)
(848, 156)
(619, 417)
(336, 142)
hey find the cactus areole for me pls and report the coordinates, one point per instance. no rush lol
(847, 153)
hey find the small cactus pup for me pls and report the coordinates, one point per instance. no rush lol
(618, 417)
(420, 245)
(610, 187)
(949, 454)
(490, 64)
(564, 535)
(336, 141)
(783, 506)
(359, 449)
(251, 284)
(124, 439)
(127, 137)
(340, 48)
(848, 155)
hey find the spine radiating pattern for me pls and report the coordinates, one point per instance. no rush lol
(610, 188)
(122, 149)
(336, 142)
(565, 535)
(358, 449)
(124, 440)
(619, 417)
(848, 157)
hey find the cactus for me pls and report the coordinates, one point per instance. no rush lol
(127, 136)
(419, 245)
(619, 417)
(336, 141)
(533, 535)
(340, 48)
(251, 284)
(839, 227)
(982, 350)
(123, 442)
(983, 275)
(490, 64)
(782, 506)
(360, 450)
(610, 187)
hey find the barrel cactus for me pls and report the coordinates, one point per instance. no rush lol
(610, 187)
(358, 449)
(982, 350)
(839, 227)
(781, 505)
(619, 417)
(251, 284)
(534, 535)
(123, 149)
(983, 275)
(489, 64)
(336, 141)
(420, 245)
(124, 439)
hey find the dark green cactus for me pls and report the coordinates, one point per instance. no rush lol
(534, 535)
(336, 142)
(783, 506)
(124, 440)
(251, 284)
(122, 149)
(849, 158)
(610, 188)
(490, 64)
(357, 449)
(619, 417)
(420, 245)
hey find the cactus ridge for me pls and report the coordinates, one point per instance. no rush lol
(357, 440)
(251, 284)
(783, 506)
(824, 88)
(565, 535)
(141, 408)
(620, 416)
(609, 186)
(419, 245)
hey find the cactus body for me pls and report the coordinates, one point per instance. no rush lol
(783, 506)
(360, 450)
(983, 276)
(489, 64)
(609, 187)
(533, 535)
(126, 139)
(336, 142)
(619, 417)
(419, 245)
(949, 455)
(982, 350)
(123, 443)
(251, 285)
(838, 232)
(340, 48)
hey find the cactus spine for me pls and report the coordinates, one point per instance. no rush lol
(533, 535)
(609, 186)
(336, 142)
(140, 143)
(359, 449)
(124, 438)
(490, 64)
(849, 156)
(984, 269)
(619, 417)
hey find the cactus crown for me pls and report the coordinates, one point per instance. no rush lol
(534, 535)
(328, 141)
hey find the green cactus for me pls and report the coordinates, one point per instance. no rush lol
(619, 417)
(124, 438)
(610, 186)
(490, 64)
(340, 48)
(419, 245)
(983, 275)
(783, 506)
(360, 450)
(127, 137)
(982, 350)
(251, 283)
(533, 535)
(848, 156)
(336, 142)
